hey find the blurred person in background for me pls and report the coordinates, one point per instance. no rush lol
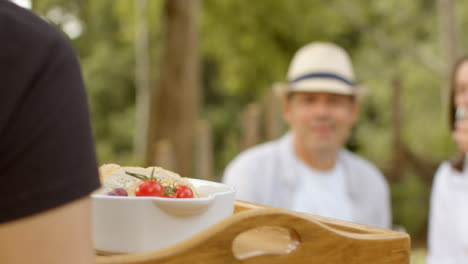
(308, 169)
(47, 161)
(448, 217)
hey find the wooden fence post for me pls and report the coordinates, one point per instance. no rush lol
(273, 118)
(448, 42)
(250, 125)
(164, 155)
(204, 167)
(397, 155)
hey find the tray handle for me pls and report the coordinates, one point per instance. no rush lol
(319, 243)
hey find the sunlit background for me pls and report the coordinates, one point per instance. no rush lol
(23, 3)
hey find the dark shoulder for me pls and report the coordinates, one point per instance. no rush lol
(18, 23)
(26, 35)
(34, 56)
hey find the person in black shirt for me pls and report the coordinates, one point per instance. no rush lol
(47, 161)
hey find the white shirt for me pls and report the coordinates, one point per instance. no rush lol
(323, 192)
(267, 174)
(448, 219)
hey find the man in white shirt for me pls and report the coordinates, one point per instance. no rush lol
(308, 169)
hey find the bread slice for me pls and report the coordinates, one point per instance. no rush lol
(106, 167)
(114, 176)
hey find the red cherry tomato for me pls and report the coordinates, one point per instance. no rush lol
(149, 188)
(183, 191)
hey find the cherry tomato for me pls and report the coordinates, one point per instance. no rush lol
(149, 188)
(183, 191)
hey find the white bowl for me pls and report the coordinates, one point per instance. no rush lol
(137, 224)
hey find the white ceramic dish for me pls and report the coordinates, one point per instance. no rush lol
(139, 224)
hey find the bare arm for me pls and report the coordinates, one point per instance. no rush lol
(57, 236)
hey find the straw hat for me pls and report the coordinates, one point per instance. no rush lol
(320, 67)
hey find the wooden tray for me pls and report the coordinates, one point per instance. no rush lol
(260, 234)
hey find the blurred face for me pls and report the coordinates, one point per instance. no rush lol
(321, 122)
(461, 85)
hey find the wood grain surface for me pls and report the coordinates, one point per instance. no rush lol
(258, 234)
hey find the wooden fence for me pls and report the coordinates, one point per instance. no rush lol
(260, 120)
(263, 121)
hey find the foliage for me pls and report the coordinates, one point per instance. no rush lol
(106, 50)
(410, 204)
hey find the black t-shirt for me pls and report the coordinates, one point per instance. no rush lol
(47, 153)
